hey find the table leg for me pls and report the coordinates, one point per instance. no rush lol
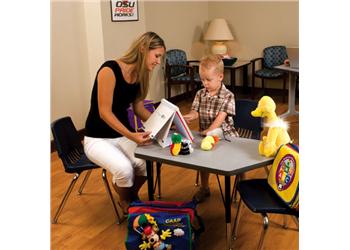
(228, 211)
(149, 169)
(291, 97)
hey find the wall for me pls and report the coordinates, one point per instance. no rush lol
(82, 36)
(69, 61)
(180, 24)
(117, 36)
(256, 25)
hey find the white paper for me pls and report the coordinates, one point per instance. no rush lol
(159, 123)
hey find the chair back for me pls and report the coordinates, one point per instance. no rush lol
(67, 141)
(176, 57)
(274, 55)
(247, 125)
(135, 121)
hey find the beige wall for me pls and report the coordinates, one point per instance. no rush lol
(180, 24)
(256, 25)
(117, 36)
(83, 36)
(69, 61)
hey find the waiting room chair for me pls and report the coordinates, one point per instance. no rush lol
(259, 197)
(178, 71)
(272, 56)
(71, 152)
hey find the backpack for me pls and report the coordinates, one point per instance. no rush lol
(159, 225)
(284, 174)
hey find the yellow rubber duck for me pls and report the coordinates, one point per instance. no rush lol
(277, 128)
(208, 142)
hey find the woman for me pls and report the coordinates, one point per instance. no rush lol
(110, 142)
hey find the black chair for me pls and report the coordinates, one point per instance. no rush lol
(178, 71)
(272, 56)
(71, 152)
(246, 125)
(259, 197)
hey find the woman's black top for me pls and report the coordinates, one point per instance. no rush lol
(123, 95)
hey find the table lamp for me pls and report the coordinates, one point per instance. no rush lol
(219, 32)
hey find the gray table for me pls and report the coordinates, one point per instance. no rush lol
(291, 89)
(227, 158)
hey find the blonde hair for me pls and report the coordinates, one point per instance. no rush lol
(211, 61)
(137, 54)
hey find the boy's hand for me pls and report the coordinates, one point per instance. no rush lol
(189, 117)
(204, 132)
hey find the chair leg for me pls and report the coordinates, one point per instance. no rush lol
(263, 85)
(235, 224)
(108, 189)
(188, 95)
(253, 86)
(267, 171)
(284, 89)
(65, 198)
(197, 179)
(264, 230)
(296, 220)
(234, 200)
(285, 222)
(84, 181)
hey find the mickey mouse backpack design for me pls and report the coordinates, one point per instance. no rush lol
(284, 174)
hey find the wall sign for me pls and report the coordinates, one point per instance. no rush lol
(124, 10)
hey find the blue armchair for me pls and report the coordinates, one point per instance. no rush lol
(272, 56)
(179, 72)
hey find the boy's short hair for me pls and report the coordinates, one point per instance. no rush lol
(210, 61)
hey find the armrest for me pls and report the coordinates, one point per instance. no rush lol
(192, 61)
(253, 61)
(189, 68)
(256, 59)
(180, 65)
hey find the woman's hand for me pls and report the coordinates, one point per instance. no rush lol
(141, 138)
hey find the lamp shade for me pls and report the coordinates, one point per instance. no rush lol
(218, 30)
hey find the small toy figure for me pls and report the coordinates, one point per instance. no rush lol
(186, 147)
(277, 128)
(147, 227)
(208, 142)
(179, 145)
(175, 147)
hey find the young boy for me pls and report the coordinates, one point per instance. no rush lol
(215, 106)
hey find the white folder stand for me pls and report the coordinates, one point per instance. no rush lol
(160, 121)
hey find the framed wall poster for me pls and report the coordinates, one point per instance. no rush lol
(124, 10)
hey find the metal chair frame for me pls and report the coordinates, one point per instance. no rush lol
(89, 166)
(291, 212)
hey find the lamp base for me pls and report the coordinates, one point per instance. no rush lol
(219, 48)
